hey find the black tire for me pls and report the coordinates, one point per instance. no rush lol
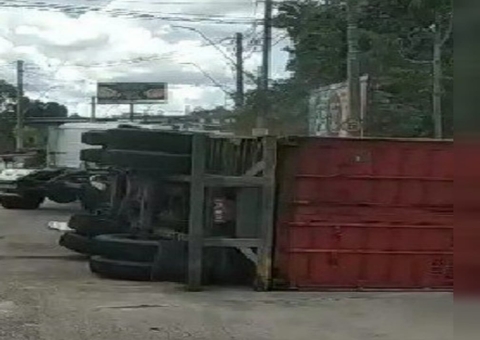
(31, 202)
(94, 137)
(93, 225)
(78, 243)
(62, 195)
(127, 247)
(92, 155)
(121, 270)
(171, 261)
(150, 140)
(159, 161)
(230, 267)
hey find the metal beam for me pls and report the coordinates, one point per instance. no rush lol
(232, 242)
(264, 267)
(196, 219)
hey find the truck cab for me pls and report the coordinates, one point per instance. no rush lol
(61, 177)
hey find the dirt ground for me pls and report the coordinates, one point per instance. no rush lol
(47, 293)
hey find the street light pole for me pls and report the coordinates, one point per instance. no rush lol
(262, 116)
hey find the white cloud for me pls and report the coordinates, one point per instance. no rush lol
(67, 52)
(5, 45)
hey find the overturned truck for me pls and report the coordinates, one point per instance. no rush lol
(57, 173)
(301, 213)
(169, 186)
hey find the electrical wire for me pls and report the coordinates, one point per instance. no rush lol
(213, 80)
(197, 18)
(179, 17)
(252, 35)
(280, 38)
(183, 3)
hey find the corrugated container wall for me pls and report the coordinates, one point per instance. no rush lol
(365, 214)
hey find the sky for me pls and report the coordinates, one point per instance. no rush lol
(70, 45)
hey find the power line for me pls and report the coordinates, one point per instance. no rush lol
(121, 62)
(280, 38)
(252, 35)
(7, 63)
(179, 17)
(212, 43)
(182, 3)
(213, 80)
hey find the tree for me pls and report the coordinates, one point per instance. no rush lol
(289, 106)
(38, 109)
(420, 30)
(396, 48)
(33, 109)
(7, 93)
(319, 36)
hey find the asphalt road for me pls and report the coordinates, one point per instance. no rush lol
(47, 293)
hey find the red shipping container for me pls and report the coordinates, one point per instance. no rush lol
(365, 214)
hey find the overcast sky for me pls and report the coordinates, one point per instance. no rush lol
(69, 45)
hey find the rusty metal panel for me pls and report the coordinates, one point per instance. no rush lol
(467, 209)
(365, 214)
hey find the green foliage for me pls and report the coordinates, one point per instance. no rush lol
(319, 36)
(33, 109)
(288, 103)
(396, 51)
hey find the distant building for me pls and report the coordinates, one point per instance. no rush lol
(218, 117)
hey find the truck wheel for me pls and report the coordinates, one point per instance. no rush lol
(92, 155)
(150, 140)
(95, 138)
(158, 161)
(127, 247)
(121, 270)
(168, 259)
(171, 262)
(93, 225)
(22, 203)
(78, 243)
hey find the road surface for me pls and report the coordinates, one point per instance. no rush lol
(47, 293)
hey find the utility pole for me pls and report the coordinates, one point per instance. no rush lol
(94, 109)
(20, 111)
(437, 78)
(240, 95)
(132, 112)
(353, 66)
(439, 39)
(265, 77)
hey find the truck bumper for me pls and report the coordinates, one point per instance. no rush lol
(9, 194)
(9, 190)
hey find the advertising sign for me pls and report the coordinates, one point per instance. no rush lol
(131, 93)
(329, 113)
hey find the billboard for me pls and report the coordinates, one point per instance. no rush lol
(329, 113)
(131, 93)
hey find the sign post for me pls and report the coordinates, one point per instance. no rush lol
(132, 112)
